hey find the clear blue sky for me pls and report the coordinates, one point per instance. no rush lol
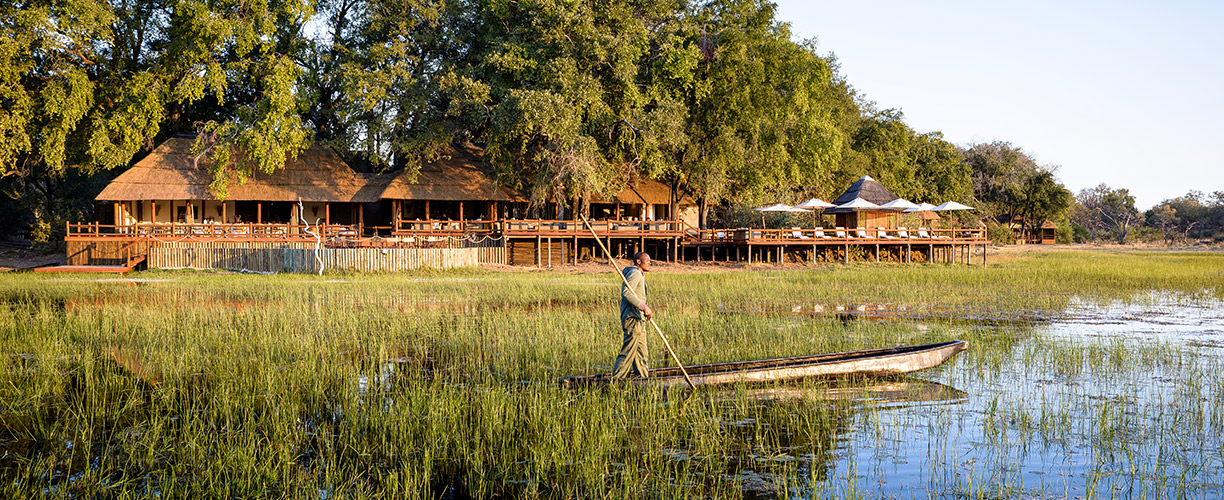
(1126, 93)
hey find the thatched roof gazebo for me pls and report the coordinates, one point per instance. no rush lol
(870, 190)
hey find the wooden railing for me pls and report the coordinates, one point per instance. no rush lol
(212, 231)
(838, 235)
(447, 227)
(532, 227)
(621, 227)
(522, 227)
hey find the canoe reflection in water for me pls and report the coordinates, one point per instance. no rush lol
(878, 393)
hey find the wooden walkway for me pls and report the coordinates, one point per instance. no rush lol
(91, 269)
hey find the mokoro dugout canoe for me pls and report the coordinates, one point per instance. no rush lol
(869, 362)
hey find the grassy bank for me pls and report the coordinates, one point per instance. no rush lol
(351, 386)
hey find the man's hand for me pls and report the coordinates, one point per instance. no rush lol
(647, 312)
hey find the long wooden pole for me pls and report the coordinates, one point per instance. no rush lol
(612, 262)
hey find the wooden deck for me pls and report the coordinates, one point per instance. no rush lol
(548, 243)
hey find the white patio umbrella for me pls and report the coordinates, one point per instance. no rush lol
(777, 207)
(858, 205)
(951, 205)
(817, 205)
(922, 207)
(899, 204)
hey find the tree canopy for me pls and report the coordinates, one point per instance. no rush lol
(571, 100)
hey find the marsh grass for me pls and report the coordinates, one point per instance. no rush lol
(445, 384)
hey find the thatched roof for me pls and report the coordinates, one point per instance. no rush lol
(170, 173)
(643, 191)
(866, 188)
(459, 174)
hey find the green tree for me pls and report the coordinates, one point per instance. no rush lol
(1012, 188)
(1041, 198)
(1107, 211)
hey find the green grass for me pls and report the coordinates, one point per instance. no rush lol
(427, 385)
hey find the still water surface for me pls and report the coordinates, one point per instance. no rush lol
(1138, 416)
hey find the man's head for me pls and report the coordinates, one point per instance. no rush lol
(642, 261)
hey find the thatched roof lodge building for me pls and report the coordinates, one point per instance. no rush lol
(169, 186)
(163, 204)
(166, 198)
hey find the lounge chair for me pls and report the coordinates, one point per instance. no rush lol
(861, 233)
(840, 232)
(821, 234)
(903, 233)
(797, 233)
(923, 233)
(883, 234)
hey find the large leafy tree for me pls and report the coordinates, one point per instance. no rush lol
(70, 72)
(1012, 187)
(1194, 215)
(760, 122)
(1107, 211)
(1042, 198)
(88, 84)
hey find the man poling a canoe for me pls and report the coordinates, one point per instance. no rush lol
(634, 313)
(649, 316)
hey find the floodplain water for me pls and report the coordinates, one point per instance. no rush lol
(183, 385)
(1135, 412)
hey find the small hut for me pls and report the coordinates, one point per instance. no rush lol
(1046, 234)
(870, 190)
(169, 186)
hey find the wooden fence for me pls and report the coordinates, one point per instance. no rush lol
(301, 257)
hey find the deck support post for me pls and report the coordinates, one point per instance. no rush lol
(877, 255)
(846, 252)
(750, 253)
(550, 253)
(538, 262)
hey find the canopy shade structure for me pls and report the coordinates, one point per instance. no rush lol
(951, 205)
(780, 207)
(899, 204)
(777, 207)
(857, 205)
(924, 210)
(815, 204)
(922, 207)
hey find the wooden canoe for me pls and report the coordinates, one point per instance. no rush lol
(870, 362)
